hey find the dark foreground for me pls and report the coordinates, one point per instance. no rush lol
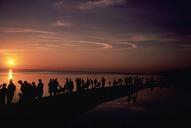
(172, 109)
(166, 107)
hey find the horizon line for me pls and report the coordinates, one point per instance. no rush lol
(77, 71)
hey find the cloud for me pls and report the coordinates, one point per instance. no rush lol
(10, 52)
(66, 5)
(161, 37)
(77, 45)
(27, 30)
(184, 47)
(100, 4)
(95, 43)
(125, 45)
(103, 45)
(61, 23)
(59, 4)
(152, 41)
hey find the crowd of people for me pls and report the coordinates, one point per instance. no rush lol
(7, 91)
(31, 91)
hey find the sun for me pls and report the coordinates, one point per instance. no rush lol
(11, 62)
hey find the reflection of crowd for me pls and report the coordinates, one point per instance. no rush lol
(30, 91)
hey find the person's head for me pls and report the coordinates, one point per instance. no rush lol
(39, 80)
(25, 82)
(20, 82)
(11, 81)
(4, 85)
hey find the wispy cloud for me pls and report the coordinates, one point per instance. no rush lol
(26, 30)
(125, 45)
(100, 4)
(10, 52)
(162, 37)
(184, 47)
(95, 43)
(66, 5)
(87, 5)
(61, 23)
(103, 45)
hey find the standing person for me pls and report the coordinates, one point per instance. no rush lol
(34, 90)
(103, 81)
(40, 89)
(78, 84)
(92, 83)
(22, 88)
(71, 85)
(55, 86)
(95, 82)
(50, 87)
(10, 91)
(3, 91)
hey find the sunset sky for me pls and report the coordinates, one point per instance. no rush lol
(96, 35)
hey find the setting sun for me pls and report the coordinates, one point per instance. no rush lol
(11, 62)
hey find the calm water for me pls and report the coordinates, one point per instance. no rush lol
(61, 76)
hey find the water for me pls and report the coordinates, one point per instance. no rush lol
(61, 76)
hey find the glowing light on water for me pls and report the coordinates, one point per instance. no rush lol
(10, 75)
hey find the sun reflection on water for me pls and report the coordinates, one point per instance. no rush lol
(10, 75)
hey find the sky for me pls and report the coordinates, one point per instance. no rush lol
(96, 35)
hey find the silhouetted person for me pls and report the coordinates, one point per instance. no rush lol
(78, 84)
(24, 95)
(87, 84)
(30, 92)
(34, 87)
(10, 91)
(21, 95)
(103, 81)
(95, 82)
(3, 91)
(126, 81)
(114, 83)
(130, 80)
(82, 83)
(98, 84)
(66, 85)
(40, 89)
(92, 83)
(50, 87)
(71, 86)
(55, 86)
(120, 81)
